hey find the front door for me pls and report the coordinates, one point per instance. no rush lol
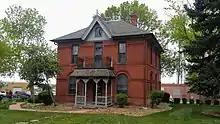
(98, 55)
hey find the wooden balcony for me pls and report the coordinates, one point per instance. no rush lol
(95, 63)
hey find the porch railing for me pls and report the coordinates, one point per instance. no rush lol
(90, 62)
(109, 100)
(80, 100)
(101, 100)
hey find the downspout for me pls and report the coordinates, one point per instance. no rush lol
(145, 60)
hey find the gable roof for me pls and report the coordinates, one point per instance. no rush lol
(112, 28)
(98, 20)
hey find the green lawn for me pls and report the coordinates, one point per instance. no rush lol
(181, 114)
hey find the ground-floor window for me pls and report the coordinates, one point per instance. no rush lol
(72, 85)
(122, 84)
(151, 81)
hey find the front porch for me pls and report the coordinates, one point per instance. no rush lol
(93, 92)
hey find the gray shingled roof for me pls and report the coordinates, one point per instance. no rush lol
(93, 73)
(116, 28)
(74, 35)
(122, 28)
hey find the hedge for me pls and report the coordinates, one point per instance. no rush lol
(184, 100)
(208, 102)
(122, 100)
(45, 97)
(166, 97)
(191, 101)
(156, 98)
(216, 102)
(176, 100)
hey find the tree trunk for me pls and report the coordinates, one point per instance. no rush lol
(51, 94)
(32, 93)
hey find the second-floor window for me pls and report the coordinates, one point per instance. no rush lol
(151, 55)
(75, 51)
(122, 53)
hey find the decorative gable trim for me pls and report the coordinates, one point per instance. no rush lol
(102, 25)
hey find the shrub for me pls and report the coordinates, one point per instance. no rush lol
(45, 97)
(5, 105)
(122, 100)
(19, 100)
(156, 97)
(184, 100)
(31, 100)
(166, 97)
(216, 102)
(208, 102)
(176, 100)
(197, 101)
(191, 101)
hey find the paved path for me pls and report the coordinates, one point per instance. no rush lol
(18, 107)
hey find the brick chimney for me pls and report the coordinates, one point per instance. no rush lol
(134, 19)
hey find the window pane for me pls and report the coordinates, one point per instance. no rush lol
(72, 85)
(75, 49)
(122, 47)
(122, 84)
(74, 59)
(176, 91)
(98, 51)
(122, 58)
(98, 32)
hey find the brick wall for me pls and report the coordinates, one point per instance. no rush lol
(134, 68)
(169, 88)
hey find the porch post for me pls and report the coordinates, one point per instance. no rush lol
(85, 93)
(77, 80)
(96, 91)
(85, 90)
(106, 91)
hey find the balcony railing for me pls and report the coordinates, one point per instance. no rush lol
(92, 62)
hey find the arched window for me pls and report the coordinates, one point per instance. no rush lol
(122, 84)
(156, 83)
(98, 32)
(151, 80)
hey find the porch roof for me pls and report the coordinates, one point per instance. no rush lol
(92, 73)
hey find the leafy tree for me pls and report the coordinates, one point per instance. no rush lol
(180, 33)
(204, 52)
(3, 49)
(39, 66)
(29, 55)
(20, 28)
(147, 19)
(1, 84)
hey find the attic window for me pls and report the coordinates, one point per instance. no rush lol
(98, 32)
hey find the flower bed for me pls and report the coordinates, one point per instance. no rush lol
(69, 108)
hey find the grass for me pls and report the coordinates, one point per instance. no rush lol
(180, 114)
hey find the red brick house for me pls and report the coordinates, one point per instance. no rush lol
(106, 58)
(178, 91)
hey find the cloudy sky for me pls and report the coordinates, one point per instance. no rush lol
(65, 16)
